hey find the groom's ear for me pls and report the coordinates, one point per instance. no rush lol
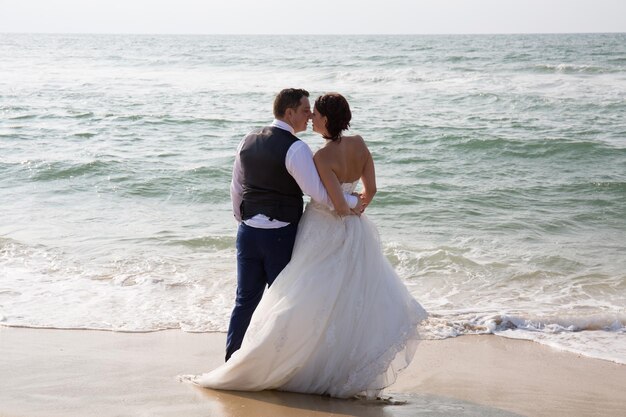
(289, 112)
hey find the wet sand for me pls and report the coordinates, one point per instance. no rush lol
(90, 373)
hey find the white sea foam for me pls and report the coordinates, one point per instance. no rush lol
(44, 289)
(600, 336)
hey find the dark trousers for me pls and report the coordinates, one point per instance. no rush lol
(261, 255)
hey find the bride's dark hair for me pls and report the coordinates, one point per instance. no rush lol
(337, 111)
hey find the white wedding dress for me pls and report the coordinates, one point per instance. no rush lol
(337, 320)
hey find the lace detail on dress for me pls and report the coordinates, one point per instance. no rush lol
(349, 187)
(346, 187)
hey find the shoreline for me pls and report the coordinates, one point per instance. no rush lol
(49, 373)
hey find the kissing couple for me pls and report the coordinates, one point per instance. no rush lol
(336, 319)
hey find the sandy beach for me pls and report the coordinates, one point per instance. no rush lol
(91, 373)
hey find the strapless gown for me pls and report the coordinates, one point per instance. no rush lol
(337, 320)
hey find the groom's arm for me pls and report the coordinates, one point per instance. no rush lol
(236, 185)
(299, 163)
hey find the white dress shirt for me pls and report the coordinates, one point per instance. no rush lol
(299, 163)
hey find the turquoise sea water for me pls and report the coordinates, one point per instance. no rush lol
(501, 165)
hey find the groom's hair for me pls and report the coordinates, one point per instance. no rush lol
(289, 98)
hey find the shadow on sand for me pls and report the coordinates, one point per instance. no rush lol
(286, 404)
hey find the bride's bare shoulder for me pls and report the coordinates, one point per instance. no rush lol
(356, 138)
(323, 154)
(356, 141)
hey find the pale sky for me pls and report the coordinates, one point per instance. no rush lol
(312, 17)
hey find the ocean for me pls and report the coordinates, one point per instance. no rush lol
(501, 165)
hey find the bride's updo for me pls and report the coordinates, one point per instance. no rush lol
(337, 111)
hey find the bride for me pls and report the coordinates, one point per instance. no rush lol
(338, 320)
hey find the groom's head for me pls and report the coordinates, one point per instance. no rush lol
(292, 106)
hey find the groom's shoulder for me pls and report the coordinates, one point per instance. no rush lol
(260, 131)
(271, 131)
(271, 136)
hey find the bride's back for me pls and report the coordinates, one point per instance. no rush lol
(347, 157)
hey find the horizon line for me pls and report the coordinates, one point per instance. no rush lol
(312, 34)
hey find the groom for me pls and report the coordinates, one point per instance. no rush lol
(272, 170)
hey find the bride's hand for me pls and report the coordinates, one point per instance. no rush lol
(367, 199)
(342, 213)
(360, 205)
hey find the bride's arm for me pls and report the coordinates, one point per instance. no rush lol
(299, 163)
(331, 183)
(368, 178)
